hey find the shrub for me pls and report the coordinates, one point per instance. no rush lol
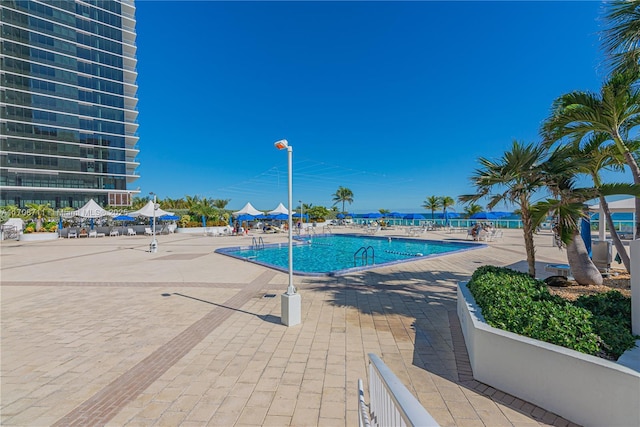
(611, 319)
(515, 302)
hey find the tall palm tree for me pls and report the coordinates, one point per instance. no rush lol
(432, 203)
(343, 195)
(562, 170)
(446, 202)
(513, 179)
(598, 157)
(621, 35)
(614, 112)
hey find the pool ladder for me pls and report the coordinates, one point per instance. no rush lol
(364, 256)
(257, 244)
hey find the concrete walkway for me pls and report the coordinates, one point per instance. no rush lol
(102, 332)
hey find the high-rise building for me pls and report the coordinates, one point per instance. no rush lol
(68, 105)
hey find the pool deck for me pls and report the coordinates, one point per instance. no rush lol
(102, 332)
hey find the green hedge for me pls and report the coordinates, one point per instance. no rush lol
(513, 301)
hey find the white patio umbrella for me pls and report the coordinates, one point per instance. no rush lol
(148, 211)
(90, 210)
(248, 209)
(279, 210)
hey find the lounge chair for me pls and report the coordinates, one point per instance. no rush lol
(131, 232)
(93, 233)
(147, 231)
(372, 230)
(72, 233)
(83, 233)
(483, 235)
(114, 233)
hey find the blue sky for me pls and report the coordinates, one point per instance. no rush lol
(394, 100)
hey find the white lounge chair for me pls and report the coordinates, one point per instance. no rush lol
(147, 231)
(72, 233)
(114, 233)
(93, 233)
(131, 232)
(372, 230)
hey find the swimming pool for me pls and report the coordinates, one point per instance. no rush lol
(332, 255)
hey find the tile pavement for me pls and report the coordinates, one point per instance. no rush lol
(102, 332)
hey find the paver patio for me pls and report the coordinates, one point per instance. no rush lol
(102, 332)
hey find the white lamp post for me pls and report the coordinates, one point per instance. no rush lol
(291, 300)
(153, 247)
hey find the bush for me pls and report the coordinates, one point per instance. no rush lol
(612, 320)
(515, 302)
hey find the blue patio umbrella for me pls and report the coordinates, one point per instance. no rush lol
(124, 218)
(168, 218)
(245, 217)
(60, 226)
(485, 215)
(372, 215)
(396, 215)
(297, 215)
(204, 221)
(279, 217)
(585, 233)
(91, 224)
(340, 216)
(413, 216)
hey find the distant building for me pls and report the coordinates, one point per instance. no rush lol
(68, 103)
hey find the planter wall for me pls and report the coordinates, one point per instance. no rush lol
(37, 237)
(584, 389)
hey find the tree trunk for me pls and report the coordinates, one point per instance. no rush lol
(583, 269)
(614, 235)
(527, 228)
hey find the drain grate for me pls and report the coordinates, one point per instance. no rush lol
(269, 296)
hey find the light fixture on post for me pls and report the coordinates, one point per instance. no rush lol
(153, 247)
(291, 300)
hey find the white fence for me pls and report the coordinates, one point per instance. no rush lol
(391, 403)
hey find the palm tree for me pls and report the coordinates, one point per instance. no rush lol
(561, 171)
(446, 202)
(221, 203)
(204, 208)
(343, 195)
(598, 157)
(432, 203)
(472, 208)
(614, 112)
(39, 212)
(621, 36)
(517, 175)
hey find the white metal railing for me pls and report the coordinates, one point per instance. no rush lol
(391, 403)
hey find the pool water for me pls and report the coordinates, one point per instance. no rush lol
(341, 254)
